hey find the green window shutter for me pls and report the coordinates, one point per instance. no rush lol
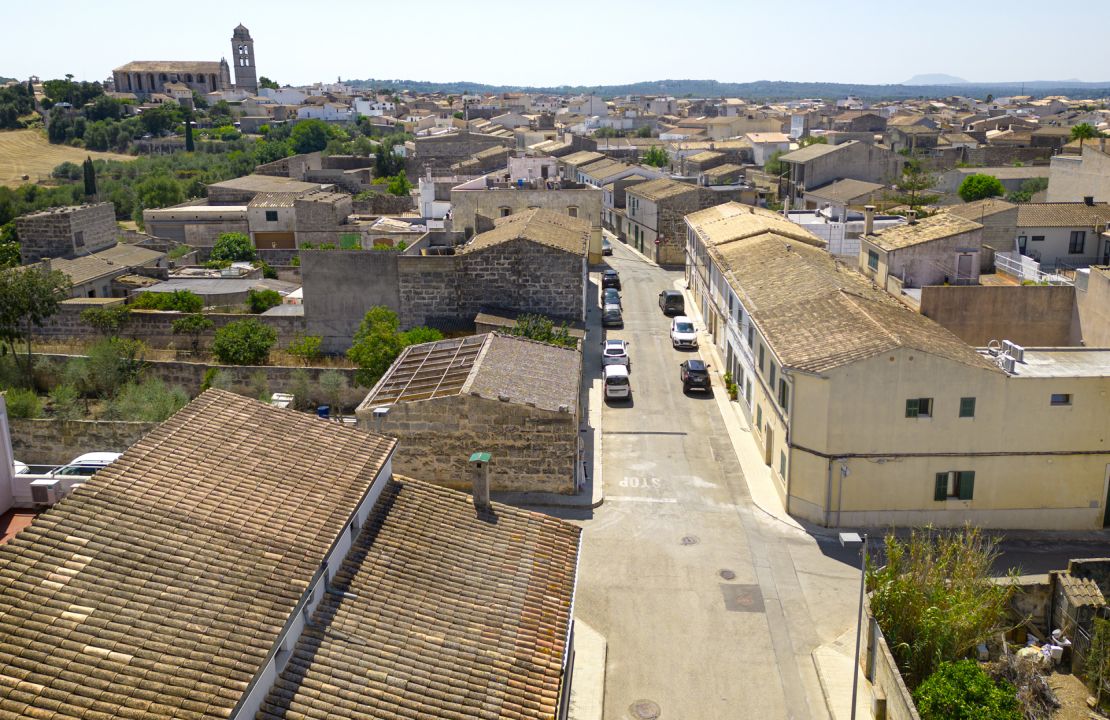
(911, 408)
(940, 490)
(967, 407)
(966, 482)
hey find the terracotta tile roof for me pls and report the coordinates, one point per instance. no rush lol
(724, 170)
(704, 156)
(816, 314)
(159, 587)
(444, 614)
(1081, 592)
(492, 366)
(937, 227)
(845, 191)
(980, 209)
(172, 66)
(661, 189)
(1062, 214)
(814, 151)
(544, 227)
(582, 157)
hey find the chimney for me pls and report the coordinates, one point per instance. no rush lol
(1088, 199)
(480, 462)
(868, 220)
(912, 217)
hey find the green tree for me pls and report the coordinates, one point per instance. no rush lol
(978, 186)
(419, 335)
(190, 146)
(376, 344)
(774, 166)
(1084, 131)
(65, 402)
(148, 401)
(305, 347)
(386, 162)
(107, 321)
(259, 301)
(458, 115)
(333, 384)
(655, 156)
(1097, 667)
(194, 325)
(9, 246)
(112, 363)
(813, 140)
(912, 188)
(244, 342)
(160, 118)
(399, 185)
(310, 136)
(177, 301)
(963, 691)
(644, 132)
(220, 113)
(28, 296)
(90, 177)
(265, 82)
(233, 247)
(159, 191)
(1029, 188)
(542, 329)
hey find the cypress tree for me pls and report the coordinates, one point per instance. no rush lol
(90, 177)
(189, 134)
(31, 90)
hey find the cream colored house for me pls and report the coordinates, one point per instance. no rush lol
(870, 414)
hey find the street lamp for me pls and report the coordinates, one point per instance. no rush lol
(848, 539)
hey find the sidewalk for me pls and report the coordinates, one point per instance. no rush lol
(587, 688)
(591, 492)
(834, 669)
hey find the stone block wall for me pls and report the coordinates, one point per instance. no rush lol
(533, 450)
(66, 231)
(382, 204)
(55, 442)
(155, 328)
(523, 277)
(428, 290)
(886, 680)
(998, 155)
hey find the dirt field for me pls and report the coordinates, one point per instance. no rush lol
(26, 152)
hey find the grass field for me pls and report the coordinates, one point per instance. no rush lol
(26, 152)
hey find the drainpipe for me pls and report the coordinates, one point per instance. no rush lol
(828, 494)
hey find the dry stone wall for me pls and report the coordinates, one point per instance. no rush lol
(54, 442)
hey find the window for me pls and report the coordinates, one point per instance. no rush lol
(1078, 240)
(784, 393)
(271, 216)
(751, 334)
(919, 407)
(572, 211)
(505, 212)
(772, 382)
(872, 259)
(758, 417)
(1061, 399)
(967, 407)
(1037, 238)
(761, 348)
(782, 463)
(954, 484)
(79, 238)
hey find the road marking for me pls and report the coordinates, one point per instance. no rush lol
(640, 482)
(631, 498)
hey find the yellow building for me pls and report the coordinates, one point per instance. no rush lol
(870, 414)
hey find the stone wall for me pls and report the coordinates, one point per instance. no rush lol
(890, 696)
(1093, 304)
(428, 290)
(532, 450)
(467, 204)
(155, 327)
(523, 277)
(66, 231)
(1030, 315)
(998, 155)
(1032, 599)
(189, 376)
(382, 204)
(55, 442)
(340, 286)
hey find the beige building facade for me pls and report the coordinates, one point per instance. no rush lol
(870, 414)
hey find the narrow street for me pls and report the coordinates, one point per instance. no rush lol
(710, 608)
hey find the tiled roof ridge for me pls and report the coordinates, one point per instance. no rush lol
(476, 365)
(856, 302)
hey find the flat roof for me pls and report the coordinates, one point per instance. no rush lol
(1061, 362)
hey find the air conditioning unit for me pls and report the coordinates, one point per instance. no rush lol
(1017, 352)
(1006, 363)
(45, 491)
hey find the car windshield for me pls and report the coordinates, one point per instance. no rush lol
(78, 470)
(618, 380)
(684, 327)
(610, 273)
(696, 366)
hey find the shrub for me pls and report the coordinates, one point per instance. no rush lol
(305, 347)
(179, 252)
(113, 363)
(301, 387)
(244, 342)
(65, 401)
(23, 404)
(259, 301)
(935, 600)
(259, 386)
(417, 335)
(267, 269)
(234, 247)
(376, 344)
(978, 186)
(192, 325)
(177, 301)
(332, 384)
(148, 401)
(538, 327)
(963, 691)
(107, 320)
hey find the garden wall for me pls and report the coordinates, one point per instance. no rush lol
(240, 378)
(155, 327)
(891, 698)
(54, 442)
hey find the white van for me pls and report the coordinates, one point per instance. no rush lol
(617, 385)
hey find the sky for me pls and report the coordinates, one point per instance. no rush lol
(522, 42)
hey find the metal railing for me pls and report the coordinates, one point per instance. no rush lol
(1025, 268)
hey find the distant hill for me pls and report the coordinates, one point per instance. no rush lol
(762, 90)
(935, 79)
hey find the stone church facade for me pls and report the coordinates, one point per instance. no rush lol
(146, 77)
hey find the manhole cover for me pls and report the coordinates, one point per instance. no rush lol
(690, 540)
(727, 575)
(644, 710)
(742, 598)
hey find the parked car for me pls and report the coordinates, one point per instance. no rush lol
(683, 334)
(671, 302)
(611, 316)
(606, 247)
(617, 385)
(610, 296)
(19, 468)
(87, 464)
(695, 375)
(611, 279)
(615, 352)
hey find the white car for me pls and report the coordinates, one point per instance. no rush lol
(683, 334)
(617, 386)
(87, 464)
(20, 468)
(615, 352)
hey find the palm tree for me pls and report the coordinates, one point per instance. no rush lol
(1083, 131)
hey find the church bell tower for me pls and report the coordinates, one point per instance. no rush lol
(242, 52)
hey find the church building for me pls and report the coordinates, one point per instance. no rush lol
(146, 77)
